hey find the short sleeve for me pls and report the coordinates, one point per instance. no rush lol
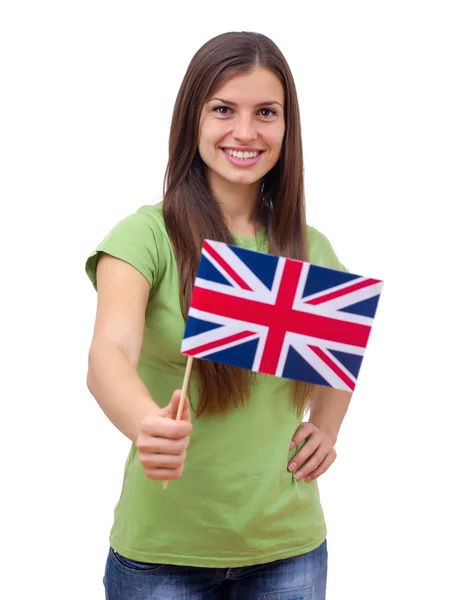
(135, 240)
(322, 252)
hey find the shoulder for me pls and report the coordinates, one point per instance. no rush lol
(152, 213)
(146, 217)
(316, 239)
(321, 250)
(139, 239)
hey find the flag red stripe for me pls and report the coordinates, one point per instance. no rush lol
(225, 266)
(324, 357)
(220, 342)
(352, 288)
(277, 331)
(287, 319)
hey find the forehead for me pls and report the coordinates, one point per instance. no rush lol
(259, 85)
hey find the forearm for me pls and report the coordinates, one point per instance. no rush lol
(328, 409)
(118, 389)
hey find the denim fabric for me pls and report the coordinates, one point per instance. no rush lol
(299, 578)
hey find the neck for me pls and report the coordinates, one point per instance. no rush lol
(239, 204)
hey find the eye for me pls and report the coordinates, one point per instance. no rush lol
(269, 110)
(221, 110)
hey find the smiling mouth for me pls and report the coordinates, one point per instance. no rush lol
(242, 160)
(240, 155)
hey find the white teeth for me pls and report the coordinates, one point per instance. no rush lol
(241, 155)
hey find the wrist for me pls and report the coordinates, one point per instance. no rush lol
(328, 428)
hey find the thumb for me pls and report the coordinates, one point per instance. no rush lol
(174, 407)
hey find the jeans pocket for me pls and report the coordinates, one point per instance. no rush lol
(134, 566)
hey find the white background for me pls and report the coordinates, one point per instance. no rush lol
(87, 94)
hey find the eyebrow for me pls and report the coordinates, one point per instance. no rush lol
(234, 103)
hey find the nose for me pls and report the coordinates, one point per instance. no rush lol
(244, 129)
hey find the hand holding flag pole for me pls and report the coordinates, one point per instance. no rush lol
(188, 370)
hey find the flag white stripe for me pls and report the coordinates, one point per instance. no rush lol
(236, 292)
(326, 310)
(325, 343)
(237, 265)
(340, 365)
(323, 369)
(224, 273)
(298, 300)
(353, 297)
(283, 355)
(207, 337)
(239, 325)
(260, 350)
(278, 276)
(224, 346)
(335, 288)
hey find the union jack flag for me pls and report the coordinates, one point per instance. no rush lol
(280, 316)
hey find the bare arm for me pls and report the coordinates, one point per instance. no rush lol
(116, 345)
(328, 409)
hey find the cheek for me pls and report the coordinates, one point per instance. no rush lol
(203, 134)
(276, 143)
(275, 137)
(210, 132)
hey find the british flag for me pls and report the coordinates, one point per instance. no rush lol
(280, 316)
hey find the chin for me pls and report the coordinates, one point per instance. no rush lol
(242, 178)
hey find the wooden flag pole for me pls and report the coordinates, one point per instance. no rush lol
(188, 369)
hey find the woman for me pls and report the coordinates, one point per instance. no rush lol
(242, 517)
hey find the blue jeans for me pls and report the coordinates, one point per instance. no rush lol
(299, 578)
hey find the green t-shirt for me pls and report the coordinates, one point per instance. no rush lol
(236, 503)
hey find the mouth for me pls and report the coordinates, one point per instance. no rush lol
(241, 158)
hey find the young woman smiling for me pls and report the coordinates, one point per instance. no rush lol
(243, 519)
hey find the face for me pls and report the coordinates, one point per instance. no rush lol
(242, 127)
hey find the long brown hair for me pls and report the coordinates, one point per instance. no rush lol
(192, 214)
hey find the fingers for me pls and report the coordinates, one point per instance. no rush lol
(306, 451)
(316, 465)
(166, 427)
(174, 407)
(164, 474)
(315, 456)
(161, 458)
(157, 445)
(162, 461)
(303, 431)
(310, 475)
(162, 441)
